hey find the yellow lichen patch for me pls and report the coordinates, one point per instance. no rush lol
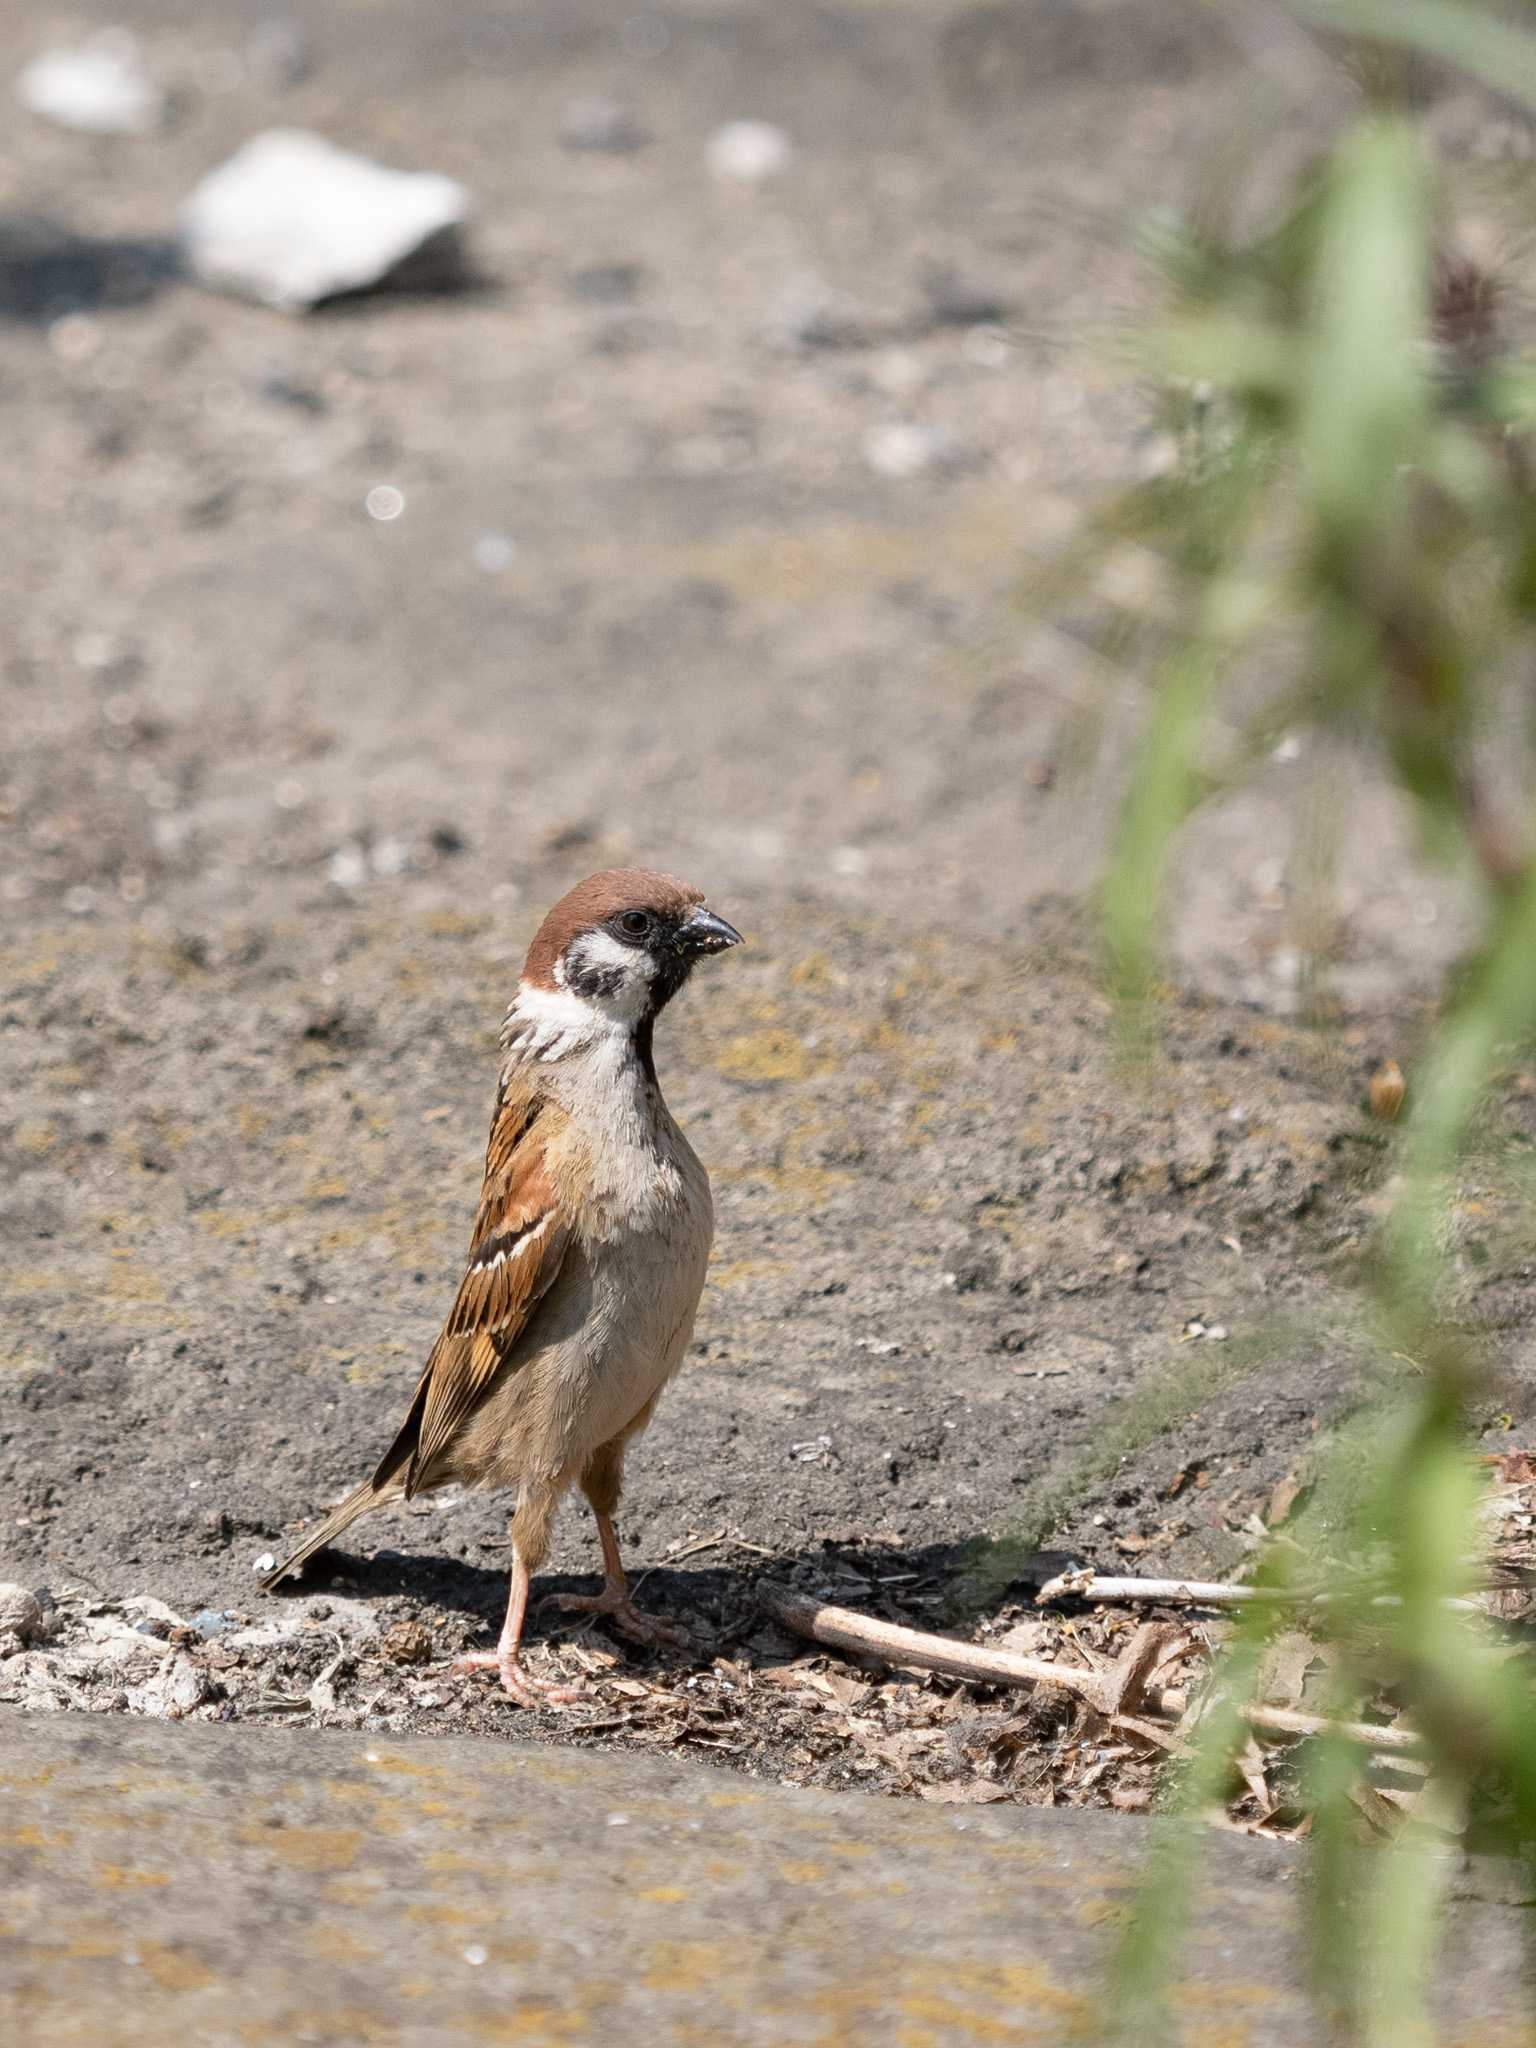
(88, 1945)
(416, 978)
(134, 1286)
(682, 1966)
(403, 1766)
(19, 968)
(113, 1877)
(173, 1969)
(36, 1137)
(320, 1849)
(345, 1237)
(361, 1372)
(793, 1187)
(10, 1781)
(740, 1272)
(814, 972)
(1103, 1913)
(445, 1916)
(1220, 1996)
(968, 2002)
(326, 1187)
(249, 1121)
(229, 1222)
(33, 1280)
(455, 924)
(536, 2024)
(772, 1054)
(335, 1945)
(353, 1891)
(924, 1116)
(665, 1895)
(349, 2023)
(31, 1838)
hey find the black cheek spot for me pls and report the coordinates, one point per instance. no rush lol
(594, 982)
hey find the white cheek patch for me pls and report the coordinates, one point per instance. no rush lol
(599, 949)
(614, 979)
(612, 993)
(547, 1023)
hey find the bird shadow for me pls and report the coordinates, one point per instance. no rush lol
(719, 1606)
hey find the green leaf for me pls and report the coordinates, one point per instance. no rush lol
(1496, 52)
(1224, 349)
(1366, 401)
(1499, 1006)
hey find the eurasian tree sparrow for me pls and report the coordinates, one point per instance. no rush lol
(588, 1251)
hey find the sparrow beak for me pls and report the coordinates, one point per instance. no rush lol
(706, 933)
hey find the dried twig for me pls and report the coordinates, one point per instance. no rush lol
(1088, 1584)
(1122, 1689)
(1108, 1692)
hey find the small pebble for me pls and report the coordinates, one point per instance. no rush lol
(264, 1563)
(21, 1613)
(904, 448)
(602, 126)
(494, 552)
(748, 152)
(101, 88)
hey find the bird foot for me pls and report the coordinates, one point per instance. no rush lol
(615, 1604)
(516, 1683)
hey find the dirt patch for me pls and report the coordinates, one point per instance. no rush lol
(971, 1275)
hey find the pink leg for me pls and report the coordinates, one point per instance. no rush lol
(614, 1600)
(515, 1681)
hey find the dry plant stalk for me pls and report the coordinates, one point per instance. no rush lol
(1088, 1584)
(1122, 1690)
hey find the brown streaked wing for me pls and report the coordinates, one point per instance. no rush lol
(521, 1235)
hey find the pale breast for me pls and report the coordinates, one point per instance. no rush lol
(617, 1323)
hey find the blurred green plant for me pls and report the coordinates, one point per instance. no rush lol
(1346, 546)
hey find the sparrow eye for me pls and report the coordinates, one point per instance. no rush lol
(636, 924)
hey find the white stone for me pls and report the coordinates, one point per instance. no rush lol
(175, 1689)
(21, 1614)
(101, 88)
(748, 152)
(291, 220)
(904, 448)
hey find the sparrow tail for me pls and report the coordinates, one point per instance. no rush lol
(358, 1502)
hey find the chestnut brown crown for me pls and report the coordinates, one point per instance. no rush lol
(608, 894)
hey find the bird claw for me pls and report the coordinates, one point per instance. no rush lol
(630, 1620)
(516, 1683)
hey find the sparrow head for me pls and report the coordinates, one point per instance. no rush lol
(622, 943)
